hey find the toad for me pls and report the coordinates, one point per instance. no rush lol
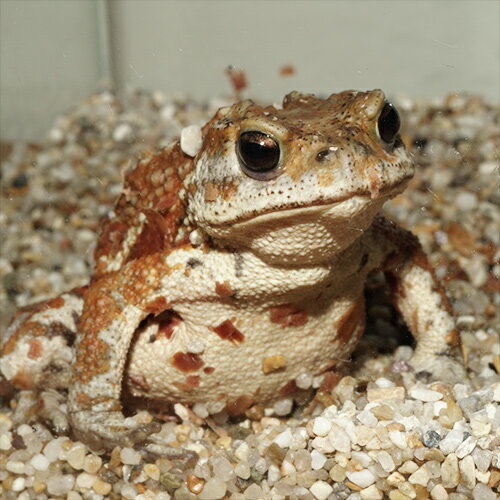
(226, 273)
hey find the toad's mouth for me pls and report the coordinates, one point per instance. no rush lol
(291, 209)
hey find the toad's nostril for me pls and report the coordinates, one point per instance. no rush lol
(324, 154)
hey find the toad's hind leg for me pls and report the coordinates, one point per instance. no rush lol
(94, 398)
(38, 345)
(115, 305)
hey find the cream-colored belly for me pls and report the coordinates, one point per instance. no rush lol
(253, 352)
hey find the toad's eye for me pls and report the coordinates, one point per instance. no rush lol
(259, 154)
(388, 123)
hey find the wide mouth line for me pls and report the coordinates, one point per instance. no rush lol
(287, 210)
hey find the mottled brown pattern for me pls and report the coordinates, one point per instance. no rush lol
(153, 238)
(58, 329)
(87, 401)
(287, 315)
(223, 289)
(225, 190)
(29, 328)
(167, 321)
(152, 189)
(420, 259)
(289, 389)
(187, 361)
(330, 381)
(227, 331)
(353, 318)
(35, 349)
(157, 305)
(104, 301)
(193, 381)
(23, 380)
(211, 192)
(240, 405)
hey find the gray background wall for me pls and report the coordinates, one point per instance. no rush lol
(54, 52)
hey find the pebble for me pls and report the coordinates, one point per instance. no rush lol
(321, 490)
(480, 427)
(18, 484)
(362, 478)
(15, 466)
(242, 470)
(92, 463)
(53, 449)
(339, 439)
(399, 439)
(384, 459)
(431, 439)
(76, 456)
(449, 471)
(123, 132)
(337, 473)
(101, 487)
(283, 407)
(466, 201)
(5, 442)
(214, 488)
(85, 480)
(191, 140)
(467, 472)
(483, 492)
(399, 495)
(304, 380)
(466, 447)
(321, 426)
(60, 485)
(253, 492)
(302, 460)
(129, 456)
(385, 393)
(371, 493)
(482, 459)
(423, 394)
(222, 468)
(284, 439)
(439, 493)
(40, 462)
(273, 474)
(420, 476)
(451, 441)
(317, 460)
(201, 410)
(367, 418)
(408, 467)
(243, 451)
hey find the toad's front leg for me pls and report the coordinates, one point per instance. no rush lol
(423, 303)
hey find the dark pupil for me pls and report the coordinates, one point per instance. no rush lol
(388, 123)
(259, 152)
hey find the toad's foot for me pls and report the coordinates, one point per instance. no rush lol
(105, 430)
(51, 412)
(108, 429)
(443, 368)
